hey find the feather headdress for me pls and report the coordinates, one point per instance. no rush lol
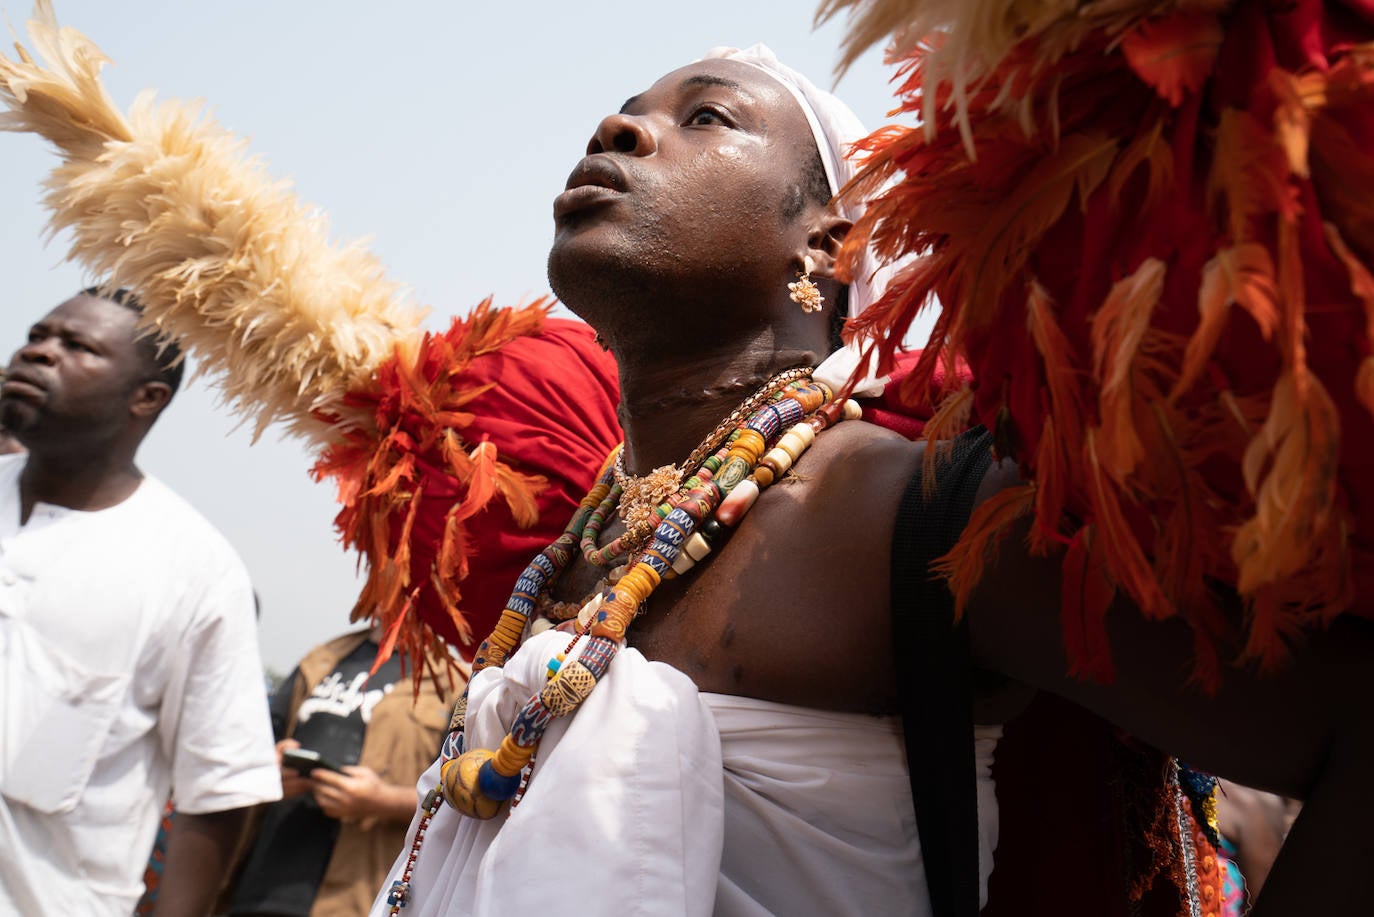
(297, 331)
(1149, 225)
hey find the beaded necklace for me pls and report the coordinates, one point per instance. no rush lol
(639, 496)
(481, 783)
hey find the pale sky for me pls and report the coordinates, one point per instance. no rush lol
(440, 131)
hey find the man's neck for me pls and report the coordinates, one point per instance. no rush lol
(84, 483)
(669, 406)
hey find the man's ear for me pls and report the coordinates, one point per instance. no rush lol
(150, 398)
(826, 235)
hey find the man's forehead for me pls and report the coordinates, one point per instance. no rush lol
(737, 77)
(93, 315)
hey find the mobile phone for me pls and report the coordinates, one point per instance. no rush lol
(304, 761)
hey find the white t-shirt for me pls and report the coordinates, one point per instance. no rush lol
(129, 667)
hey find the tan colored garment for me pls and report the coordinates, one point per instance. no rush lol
(402, 739)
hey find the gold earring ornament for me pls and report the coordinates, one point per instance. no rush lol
(805, 293)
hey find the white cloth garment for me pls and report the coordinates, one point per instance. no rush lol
(128, 666)
(654, 799)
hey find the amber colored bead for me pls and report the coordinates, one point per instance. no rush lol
(763, 475)
(749, 446)
(618, 614)
(511, 758)
(639, 583)
(459, 781)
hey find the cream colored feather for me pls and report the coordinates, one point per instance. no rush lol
(227, 261)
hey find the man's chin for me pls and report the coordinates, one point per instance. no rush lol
(16, 416)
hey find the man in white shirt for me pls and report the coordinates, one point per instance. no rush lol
(128, 645)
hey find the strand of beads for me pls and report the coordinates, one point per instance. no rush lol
(480, 781)
(398, 896)
(632, 539)
(780, 459)
(601, 557)
(641, 494)
(770, 468)
(533, 583)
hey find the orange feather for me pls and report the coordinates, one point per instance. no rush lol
(1174, 54)
(963, 566)
(1124, 556)
(1241, 275)
(1362, 285)
(951, 419)
(1290, 468)
(1004, 240)
(1248, 174)
(1118, 331)
(1148, 148)
(1063, 422)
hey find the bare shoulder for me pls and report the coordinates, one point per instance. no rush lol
(794, 607)
(860, 465)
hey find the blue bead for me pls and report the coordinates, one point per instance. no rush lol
(496, 786)
(398, 895)
(554, 665)
(680, 518)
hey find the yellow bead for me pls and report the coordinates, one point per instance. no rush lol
(638, 583)
(511, 758)
(749, 446)
(459, 781)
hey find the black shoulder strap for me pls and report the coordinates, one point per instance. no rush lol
(935, 675)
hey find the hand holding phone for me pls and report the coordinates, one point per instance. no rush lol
(304, 760)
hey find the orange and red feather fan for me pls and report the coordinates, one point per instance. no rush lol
(1089, 203)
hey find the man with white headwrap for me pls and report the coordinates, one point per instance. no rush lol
(741, 754)
(719, 766)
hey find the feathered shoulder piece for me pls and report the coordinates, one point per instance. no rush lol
(1150, 224)
(488, 437)
(225, 259)
(458, 455)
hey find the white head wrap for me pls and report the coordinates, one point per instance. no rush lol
(835, 128)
